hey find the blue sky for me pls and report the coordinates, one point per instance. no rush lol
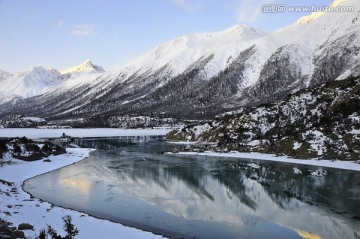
(63, 33)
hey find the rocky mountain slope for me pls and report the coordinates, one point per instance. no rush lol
(199, 76)
(317, 122)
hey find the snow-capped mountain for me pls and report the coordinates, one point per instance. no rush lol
(179, 54)
(36, 81)
(39, 80)
(201, 75)
(85, 67)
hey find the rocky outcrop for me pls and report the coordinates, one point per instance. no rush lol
(334, 58)
(319, 122)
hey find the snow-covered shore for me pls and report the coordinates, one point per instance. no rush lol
(348, 165)
(32, 133)
(17, 206)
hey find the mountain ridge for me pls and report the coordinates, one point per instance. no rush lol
(202, 75)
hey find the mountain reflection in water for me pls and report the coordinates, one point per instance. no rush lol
(129, 181)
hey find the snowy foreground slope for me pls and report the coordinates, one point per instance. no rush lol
(199, 76)
(321, 122)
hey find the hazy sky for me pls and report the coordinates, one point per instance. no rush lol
(63, 33)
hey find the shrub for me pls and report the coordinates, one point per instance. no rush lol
(69, 228)
(3, 147)
(24, 140)
(32, 147)
(17, 149)
(46, 147)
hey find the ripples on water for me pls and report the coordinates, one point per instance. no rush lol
(129, 180)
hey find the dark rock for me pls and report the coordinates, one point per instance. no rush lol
(18, 234)
(25, 226)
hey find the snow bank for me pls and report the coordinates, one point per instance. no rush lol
(93, 132)
(348, 165)
(21, 208)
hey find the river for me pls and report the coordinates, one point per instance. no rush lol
(132, 181)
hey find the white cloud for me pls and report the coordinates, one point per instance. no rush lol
(83, 30)
(188, 5)
(250, 10)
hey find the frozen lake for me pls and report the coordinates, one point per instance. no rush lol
(128, 180)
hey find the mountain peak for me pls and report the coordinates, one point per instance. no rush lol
(38, 69)
(315, 15)
(86, 67)
(336, 2)
(87, 62)
(243, 29)
(239, 27)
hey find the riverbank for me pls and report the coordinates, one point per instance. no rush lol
(348, 165)
(19, 207)
(33, 133)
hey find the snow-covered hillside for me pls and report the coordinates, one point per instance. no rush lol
(199, 76)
